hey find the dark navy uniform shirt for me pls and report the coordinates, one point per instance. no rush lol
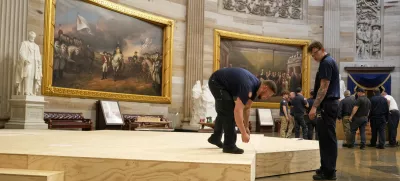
(328, 69)
(283, 103)
(299, 104)
(346, 106)
(238, 82)
(310, 104)
(379, 108)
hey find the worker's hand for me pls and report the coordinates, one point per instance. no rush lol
(245, 138)
(313, 113)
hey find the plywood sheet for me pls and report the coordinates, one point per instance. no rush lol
(273, 144)
(13, 161)
(136, 145)
(30, 175)
(279, 163)
(92, 169)
(277, 156)
(134, 155)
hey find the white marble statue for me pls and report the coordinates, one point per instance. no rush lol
(197, 111)
(208, 103)
(342, 87)
(28, 69)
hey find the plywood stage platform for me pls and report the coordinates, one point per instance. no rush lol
(136, 155)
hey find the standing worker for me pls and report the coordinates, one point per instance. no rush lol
(326, 98)
(299, 104)
(234, 90)
(345, 107)
(284, 114)
(393, 121)
(359, 118)
(311, 124)
(378, 117)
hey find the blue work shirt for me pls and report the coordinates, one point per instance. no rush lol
(283, 103)
(379, 108)
(328, 69)
(238, 82)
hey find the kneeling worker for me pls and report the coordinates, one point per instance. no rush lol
(234, 90)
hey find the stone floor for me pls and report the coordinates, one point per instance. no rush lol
(354, 164)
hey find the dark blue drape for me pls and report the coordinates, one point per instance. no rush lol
(369, 81)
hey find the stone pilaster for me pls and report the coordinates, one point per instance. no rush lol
(13, 30)
(332, 28)
(194, 50)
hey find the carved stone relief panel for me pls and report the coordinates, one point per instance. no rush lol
(288, 9)
(369, 29)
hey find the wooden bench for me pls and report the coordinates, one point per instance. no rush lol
(146, 122)
(67, 120)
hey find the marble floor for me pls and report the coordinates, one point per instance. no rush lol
(354, 164)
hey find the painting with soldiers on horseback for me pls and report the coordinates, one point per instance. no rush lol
(98, 49)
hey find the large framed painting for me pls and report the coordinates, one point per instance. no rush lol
(285, 61)
(100, 49)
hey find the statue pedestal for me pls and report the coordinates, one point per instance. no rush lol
(26, 113)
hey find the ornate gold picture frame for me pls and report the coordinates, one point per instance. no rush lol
(258, 54)
(97, 67)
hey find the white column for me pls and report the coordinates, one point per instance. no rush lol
(13, 30)
(332, 28)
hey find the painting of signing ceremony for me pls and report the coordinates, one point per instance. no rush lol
(280, 63)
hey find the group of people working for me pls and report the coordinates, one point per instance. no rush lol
(381, 111)
(354, 112)
(297, 116)
(235, 89)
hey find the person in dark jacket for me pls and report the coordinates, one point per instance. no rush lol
(345, 107)
(359, 117)
(299, 104)
(234, 90)
(378, 117)
(327, 88)
(311, 124)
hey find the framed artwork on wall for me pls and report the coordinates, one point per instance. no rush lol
(100, 49)
(111, 112)
(285, 61)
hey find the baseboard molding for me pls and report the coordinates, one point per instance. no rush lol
(3, 122)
